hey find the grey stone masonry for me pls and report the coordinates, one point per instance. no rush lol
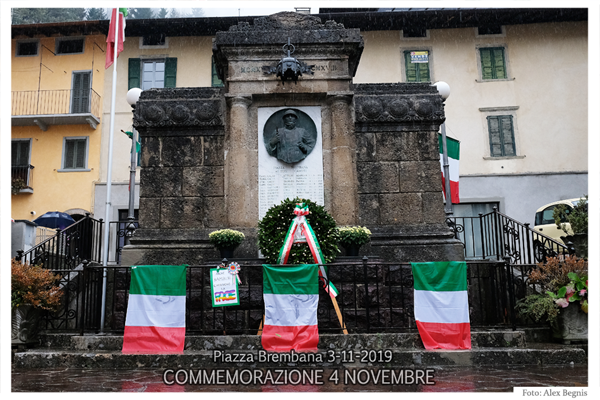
(398, 168)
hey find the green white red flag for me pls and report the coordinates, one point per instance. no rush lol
(453, 147)
(301, 231)
(155, 321)
(442, 305)
(110, 38)
(291, 295)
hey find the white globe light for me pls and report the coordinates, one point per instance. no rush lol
(133, 95)
(443, 89)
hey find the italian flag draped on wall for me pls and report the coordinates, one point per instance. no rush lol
(291, 295)
(453, 147)
(155, 321)
(442, 305)
(110, 38)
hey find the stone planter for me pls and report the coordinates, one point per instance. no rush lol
(352, 250)
(227, 252)
(25, 324)
(571, 325)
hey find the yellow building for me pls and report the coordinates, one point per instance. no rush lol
(57, 89)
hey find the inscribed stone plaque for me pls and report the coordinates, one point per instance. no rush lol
(278, 180)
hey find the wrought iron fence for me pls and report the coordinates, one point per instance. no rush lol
(68, 248)
(373, 297)
(49, 102)
(495, 235)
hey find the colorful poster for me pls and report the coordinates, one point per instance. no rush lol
(224, 288)
(419, 57)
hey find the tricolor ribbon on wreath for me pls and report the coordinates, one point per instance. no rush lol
(300, 231)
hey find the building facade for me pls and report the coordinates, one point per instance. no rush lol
(518, 101)
(57, 90)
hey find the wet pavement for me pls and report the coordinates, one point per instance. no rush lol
(447, 379)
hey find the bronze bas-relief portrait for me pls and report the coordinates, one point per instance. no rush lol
(290, 135)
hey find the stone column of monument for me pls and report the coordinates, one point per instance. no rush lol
(344, 202)
(240, 166)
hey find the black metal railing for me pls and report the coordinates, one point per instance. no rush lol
(495, 235)
(22, 173)
(68, 248)
(373, 297)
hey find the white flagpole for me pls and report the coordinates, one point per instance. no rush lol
(109, 174)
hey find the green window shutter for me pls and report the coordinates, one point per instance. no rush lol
(415, 72)
(508, 138)
(135, 68)
(486, 64)
(170, 72)
(495, 142)
(502, 137)
(411, 68)
(423, 72)
(499, 66)
(492, 63)
(215, 82)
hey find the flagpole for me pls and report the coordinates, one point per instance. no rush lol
(448, 205)
(444, 90)
(109, 173)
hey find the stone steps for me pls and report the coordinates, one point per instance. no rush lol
(500, 338)
(223, 359)
(496, 347)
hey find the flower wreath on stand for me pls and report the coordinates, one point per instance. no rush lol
(273, 228)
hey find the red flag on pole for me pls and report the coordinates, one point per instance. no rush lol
(110, 39)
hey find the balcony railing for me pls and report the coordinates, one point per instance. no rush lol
(45, 107)
(22, 177)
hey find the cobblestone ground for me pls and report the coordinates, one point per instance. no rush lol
(448, 379)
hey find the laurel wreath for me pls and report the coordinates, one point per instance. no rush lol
(273, 228)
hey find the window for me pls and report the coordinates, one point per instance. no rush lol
(489, 30)
(416, 63)
(502, 135)
(75, 153)
(27, 48)
(493, 64)
(155, 73)
(80, 95)
(215, 82)
(157, 39)
(69, 46)
(20, 152)
(414, 32)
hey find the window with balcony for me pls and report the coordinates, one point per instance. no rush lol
(20, 163)
(75, 154)
(152, 73)
(80, 94)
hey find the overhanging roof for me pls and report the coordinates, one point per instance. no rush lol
(391, 19)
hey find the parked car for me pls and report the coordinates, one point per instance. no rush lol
(544, 220)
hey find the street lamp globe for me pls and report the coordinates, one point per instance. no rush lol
(443, 89)
(133, 95)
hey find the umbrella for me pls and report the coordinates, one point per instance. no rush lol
(55, 219)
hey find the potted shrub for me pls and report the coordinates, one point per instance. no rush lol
(226, 241)
(352, 237)
(561, 297)
(33, 289)
(574, 222)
